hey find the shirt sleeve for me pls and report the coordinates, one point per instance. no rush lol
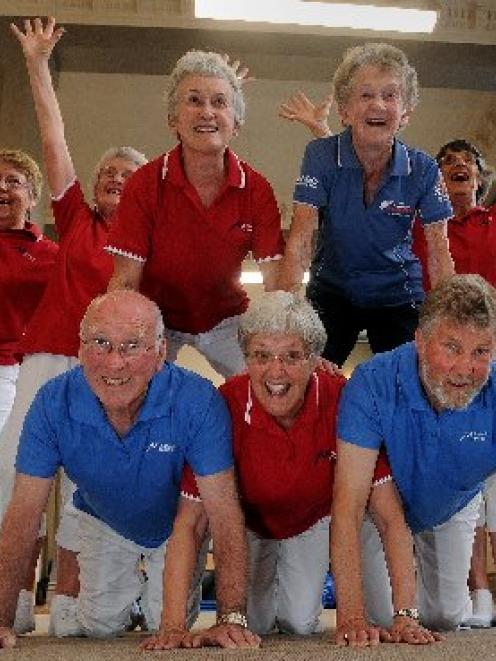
(132, 227)
(313, 185)
(434, 204)
(382, 472)
(209, 449)
(67, 206)
(268, 242)
(38, 454)
(189, 487)
(358, 418)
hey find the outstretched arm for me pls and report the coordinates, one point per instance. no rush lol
(37, 42)
(298, 251)
(439, 261)
(17, 539)
(299, 108)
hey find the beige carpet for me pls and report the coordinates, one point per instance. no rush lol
(462, 646)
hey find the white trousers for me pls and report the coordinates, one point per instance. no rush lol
(487, 512)
(285, 580)
(219, 346)
(34, 372)
(111, 579)
(443, 561)
(8, 378)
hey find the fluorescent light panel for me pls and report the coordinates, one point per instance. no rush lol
(255, 278)
(364, 17)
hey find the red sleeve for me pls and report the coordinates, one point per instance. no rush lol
(267, 239)
(66, 207)
(132, 227)
(382, 472)
(189, 487)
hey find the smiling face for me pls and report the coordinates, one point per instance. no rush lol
(110, 184)
(278, 385)
(204, 114)
(375, 109)
(462, 177)
(120, 382)
(454, 362)
(16, 197)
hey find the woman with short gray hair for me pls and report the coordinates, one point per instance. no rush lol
(190, 217)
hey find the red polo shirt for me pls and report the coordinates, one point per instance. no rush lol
(26, 261)
(193, 255)
(472, 243)
(81, 272)
(285, 476)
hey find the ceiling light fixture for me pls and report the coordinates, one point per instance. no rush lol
(361, 17)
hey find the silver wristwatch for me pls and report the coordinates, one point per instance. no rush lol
(234, 617)
(412, 613)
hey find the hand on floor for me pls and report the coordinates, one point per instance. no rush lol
(167, 639)
(226, 635)
(7, 638)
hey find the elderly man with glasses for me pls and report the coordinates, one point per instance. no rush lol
(122, 426)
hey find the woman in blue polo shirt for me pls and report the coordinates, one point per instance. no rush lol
(362, 189)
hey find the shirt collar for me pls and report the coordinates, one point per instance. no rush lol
(480, 211)
(30, 230)
(346, 157)
(172, 168)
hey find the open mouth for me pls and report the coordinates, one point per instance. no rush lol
(375, 122)
(113, 190)
(277, 389)
(206, 129)
(459, 175)
(115, 382)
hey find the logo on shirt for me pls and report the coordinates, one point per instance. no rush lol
(246, 227)
(307, 182)
(25, 253)
(440, 190)
(393, 208)
(474, 436)
(160, 447)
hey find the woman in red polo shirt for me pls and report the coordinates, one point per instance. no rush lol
(284, 440)
(189, 218)
(81, 271)
(26, 259)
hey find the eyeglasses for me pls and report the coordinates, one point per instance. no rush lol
(453, 157)
(13, 183)
(130, 349)
(287, 358)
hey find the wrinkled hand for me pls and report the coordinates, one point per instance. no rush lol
(7, 638)
(168, 639)
(407, 630)
(226, 635)
(37, 41)
(357, 632)
(240, 71)
(299, 108)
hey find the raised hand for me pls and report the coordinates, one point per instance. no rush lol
(299, 108)
(38, 40)
(240, 71)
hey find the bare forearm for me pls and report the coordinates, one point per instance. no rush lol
(346, 568)
(179, 567)
(439, 261)
(126, 275)
(231, 566)
(298, 253)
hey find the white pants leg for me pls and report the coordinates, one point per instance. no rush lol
(8, 378)
(375, 576)
(219, 346)
(34, 372)
(443, 561)
(487, 512)
(111, 580)
(286, 579)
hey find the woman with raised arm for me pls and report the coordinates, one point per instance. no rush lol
(82, 270)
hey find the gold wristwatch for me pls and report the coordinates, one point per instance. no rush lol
(412, 613)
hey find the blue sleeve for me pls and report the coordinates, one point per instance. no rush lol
(210, 444)
(358, 417)
(434, 204)
(312, 186)
(38, 454)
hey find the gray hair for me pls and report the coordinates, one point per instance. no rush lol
(28, 166)
(380, 55)
(283, 312)
(208, 64)
(467, 300)
(127, 153)
(116, 295)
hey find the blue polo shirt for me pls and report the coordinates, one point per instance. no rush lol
(364, 253)
(438, 460)
(130, 483)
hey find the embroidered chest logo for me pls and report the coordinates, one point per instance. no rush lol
(245, 227)
(474, 436)
(393, 208)
(160, 447)
(440, 190)
(25, 253)
(307, 181)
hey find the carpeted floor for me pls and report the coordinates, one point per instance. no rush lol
(463, 646)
